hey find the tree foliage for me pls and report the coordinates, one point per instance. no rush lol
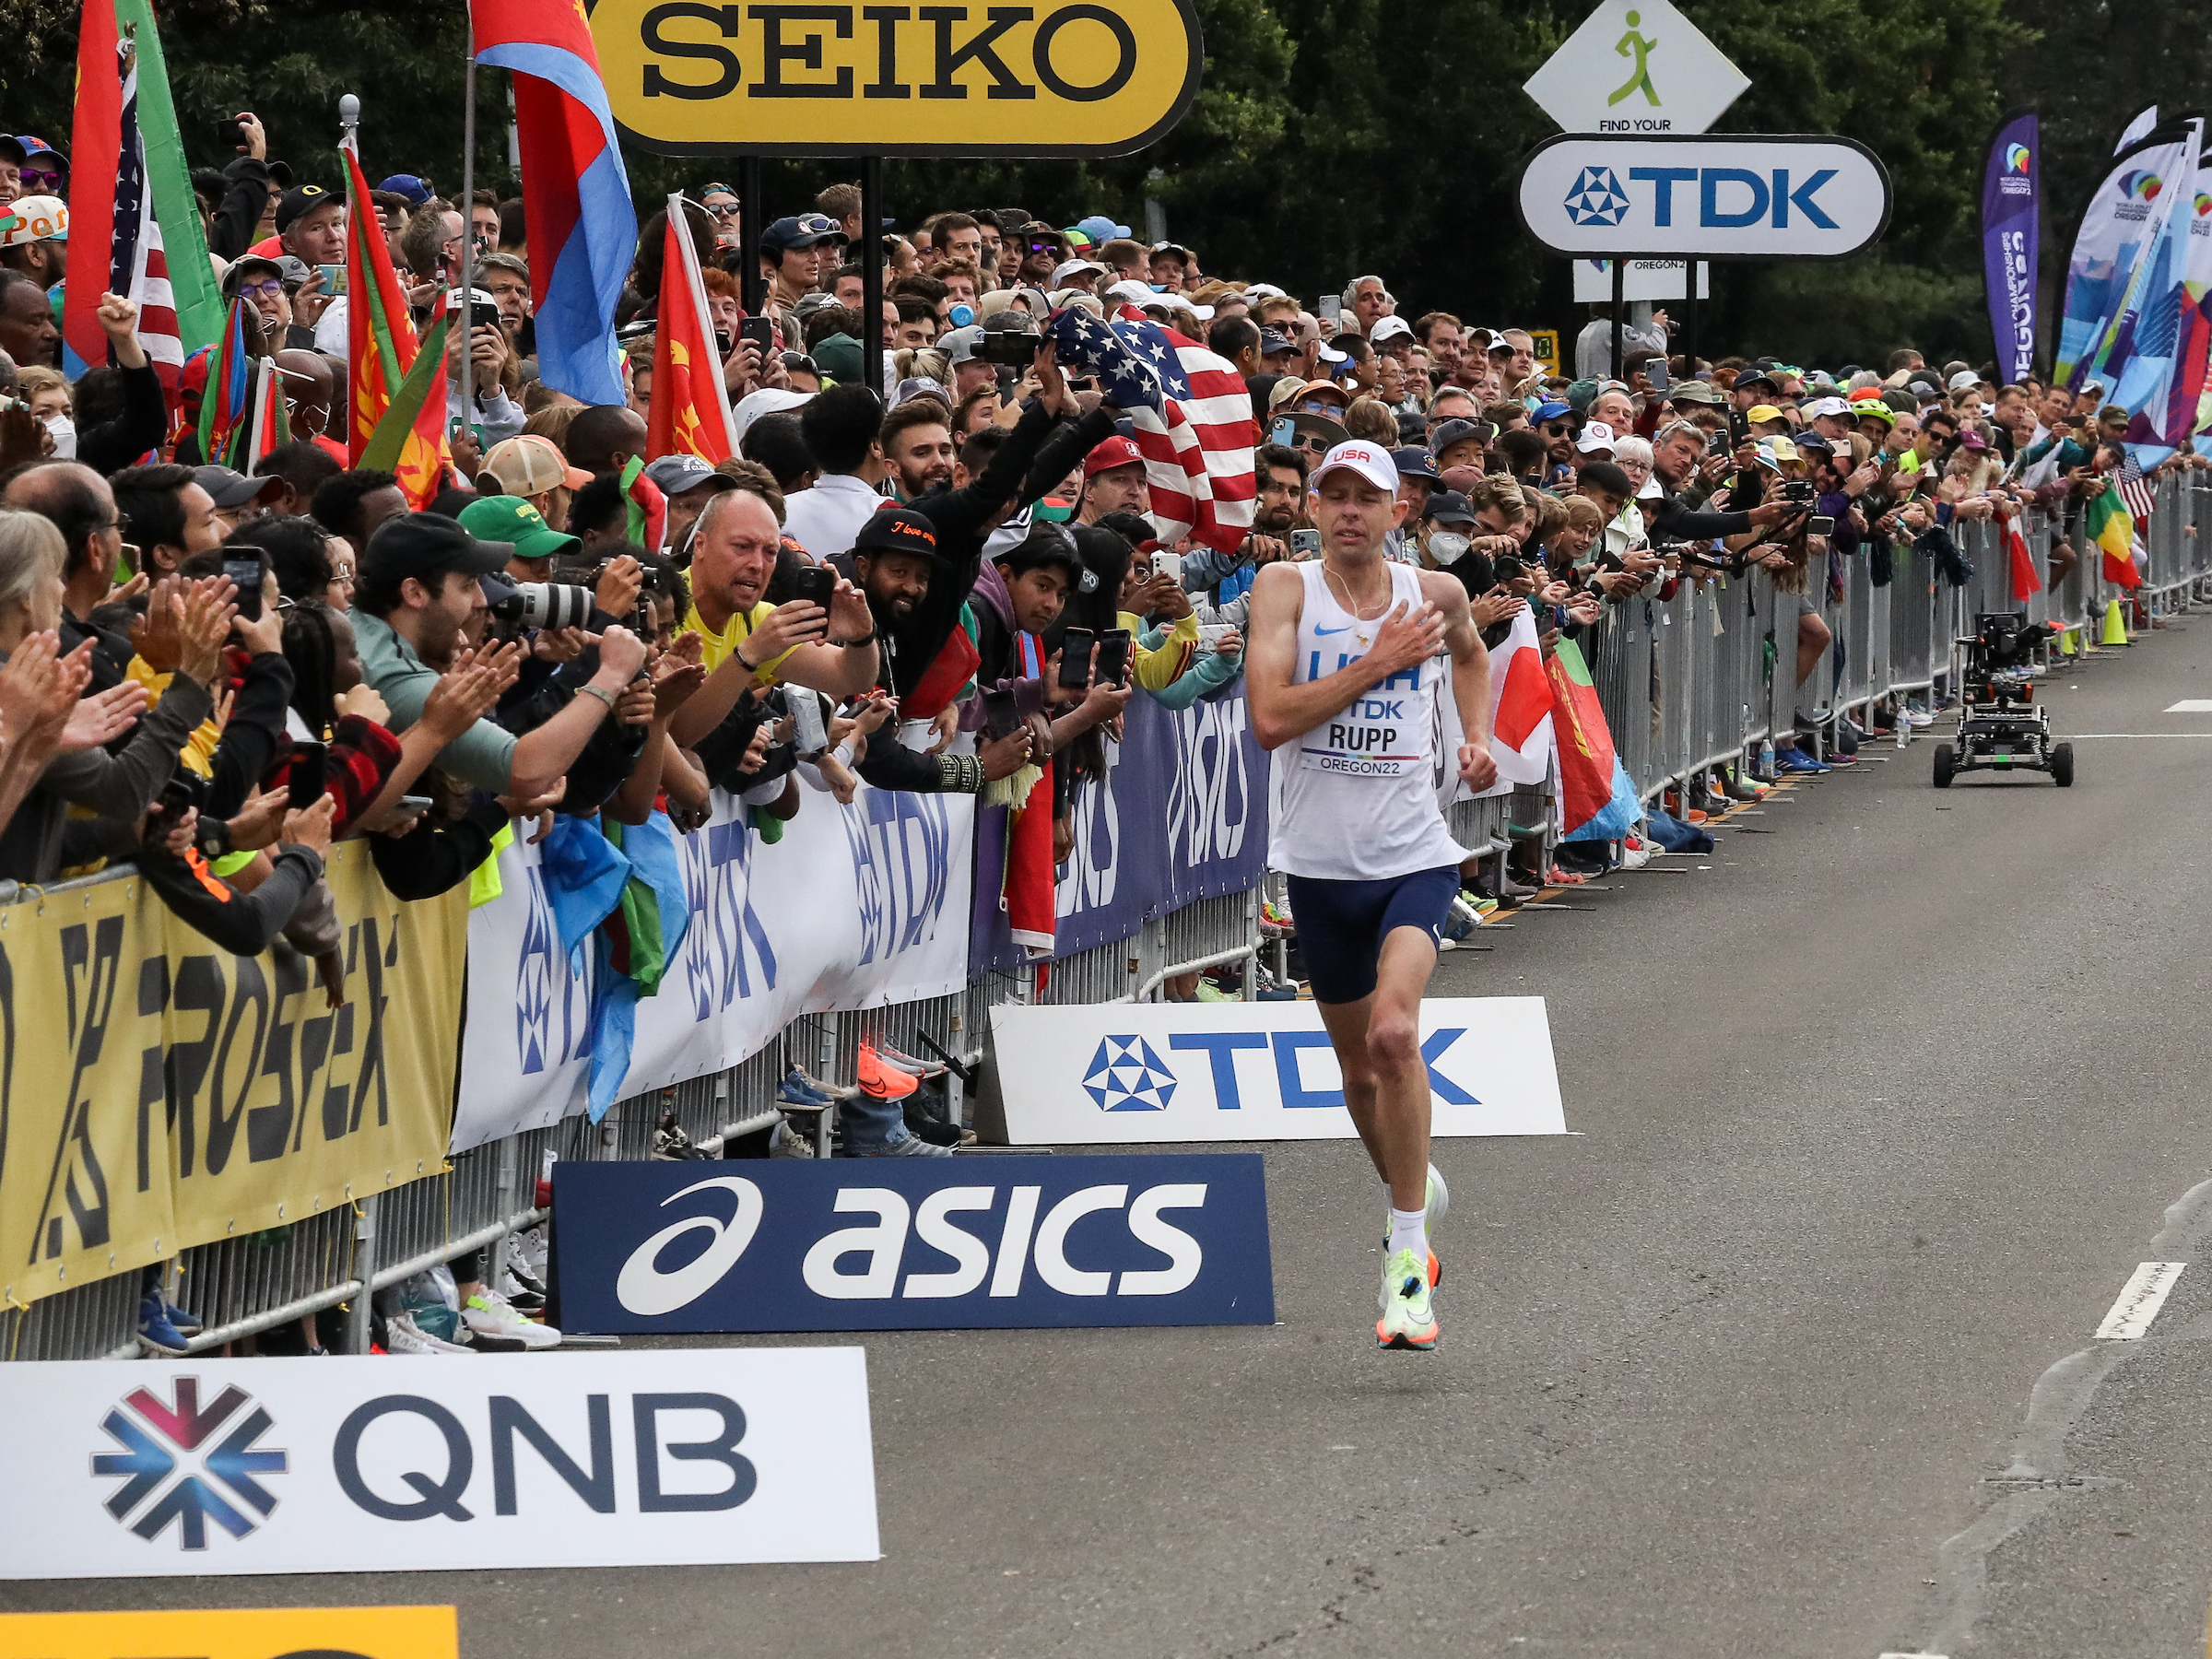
(1330, 137)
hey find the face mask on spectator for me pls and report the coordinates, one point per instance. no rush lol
(63, 430)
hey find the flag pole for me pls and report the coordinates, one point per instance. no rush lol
(468, 239)
(871, 272)
(350, 124)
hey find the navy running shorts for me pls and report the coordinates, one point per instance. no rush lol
(1341, 924)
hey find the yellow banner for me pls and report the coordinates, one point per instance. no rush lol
(1072, 78)
(157, 1092)
(363, 1632)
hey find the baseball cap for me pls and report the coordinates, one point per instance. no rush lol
(1448, 507)
(1117, 450)
(677, 474)
(1763, 412)
(422, 544)
(1369, 460)
(804, 230)
(961, 345)
(1973, 440)
(1274, 343)
(769, 400)
(1649, 490)
(248, 265)
(408, 185)
(511, 520)
(838, 355)
(1809, 440)
(1693, 392)
(1101, 229)
(1554, 410)
(230, 488)
(530, 466)
(1312, 387)
(33, 218)
(1827, 405)
(1389, 328)
(920, 385)
(299, 201)
(891, 529)
(1072, 267)
(1596, 435)
(1965, 380)
(1449, 433)
(36, 148)
(1413, 462)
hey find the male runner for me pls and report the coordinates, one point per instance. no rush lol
(1343, 659)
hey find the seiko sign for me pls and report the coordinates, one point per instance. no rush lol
(1710, 198)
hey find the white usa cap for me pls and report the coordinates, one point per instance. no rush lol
(1370, 461)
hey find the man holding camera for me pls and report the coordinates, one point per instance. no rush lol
(419, 596)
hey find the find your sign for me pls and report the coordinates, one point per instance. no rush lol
(1730, 197)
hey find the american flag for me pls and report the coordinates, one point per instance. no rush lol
(2135, 490)
(1192, 418)
(137, 268)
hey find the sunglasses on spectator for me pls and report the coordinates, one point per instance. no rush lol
(1557, 429)
(39, 180)
(1319, 446)
(798, 362)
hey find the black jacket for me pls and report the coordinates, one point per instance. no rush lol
(114, 444)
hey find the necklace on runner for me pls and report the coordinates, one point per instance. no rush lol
(1364, 628)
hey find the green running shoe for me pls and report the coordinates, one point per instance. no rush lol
(1408, 1321)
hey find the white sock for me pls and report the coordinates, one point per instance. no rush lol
(1408, 1231)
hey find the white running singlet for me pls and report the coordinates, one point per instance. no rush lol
(1355, 798)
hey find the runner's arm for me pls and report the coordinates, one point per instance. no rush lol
(1280, 711)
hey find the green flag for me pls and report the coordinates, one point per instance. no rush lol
(399, 418)
(199, 302)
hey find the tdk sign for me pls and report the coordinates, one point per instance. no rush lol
(1705, 197)
(920, 1244)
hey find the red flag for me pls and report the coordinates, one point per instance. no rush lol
(95, 149)
(379, 331)
(691, 408)
(2025, 581)
(1585, 742)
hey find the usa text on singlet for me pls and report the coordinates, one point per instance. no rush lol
(1355, 798)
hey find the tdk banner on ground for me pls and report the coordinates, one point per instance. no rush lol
(922, 1244)
(1134, 1072)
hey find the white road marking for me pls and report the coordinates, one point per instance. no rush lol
(2140, 1300)
(2191, 705)
(2083, 737)
(1913, 1656)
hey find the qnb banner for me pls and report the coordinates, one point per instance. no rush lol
(927, 1244)
(1180, 814)
(856, 907)
(1135, 1073)
(2010, 223)
(188, 1468)
(157, 1092)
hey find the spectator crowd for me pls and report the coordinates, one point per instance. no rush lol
(935, 585)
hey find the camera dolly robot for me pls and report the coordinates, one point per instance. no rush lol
(2001, 725)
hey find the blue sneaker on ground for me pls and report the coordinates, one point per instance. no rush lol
(190, 1324)
(156, 1335)
(906, 1145)
(1797, 760)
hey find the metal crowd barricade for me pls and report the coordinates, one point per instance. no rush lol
(243, 1286)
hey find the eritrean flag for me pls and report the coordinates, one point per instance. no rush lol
(582, 230)
(381, 358)
(1597, 801)
(2108, 524)
(690, 406)
(224, 404)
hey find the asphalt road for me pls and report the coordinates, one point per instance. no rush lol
(1878, 1107)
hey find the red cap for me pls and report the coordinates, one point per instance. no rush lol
(1117, 450)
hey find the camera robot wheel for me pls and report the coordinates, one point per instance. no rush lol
(2062, 766)
(1947, 763)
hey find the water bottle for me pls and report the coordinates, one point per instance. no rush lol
(1904, 726)
(1766, 758)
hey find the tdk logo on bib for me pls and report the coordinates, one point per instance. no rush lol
(927, 1244)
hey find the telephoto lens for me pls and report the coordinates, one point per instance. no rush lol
(546, 604)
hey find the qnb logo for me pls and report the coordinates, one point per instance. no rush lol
(166, 1458)
(1126, 1076)
(1597, 198)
